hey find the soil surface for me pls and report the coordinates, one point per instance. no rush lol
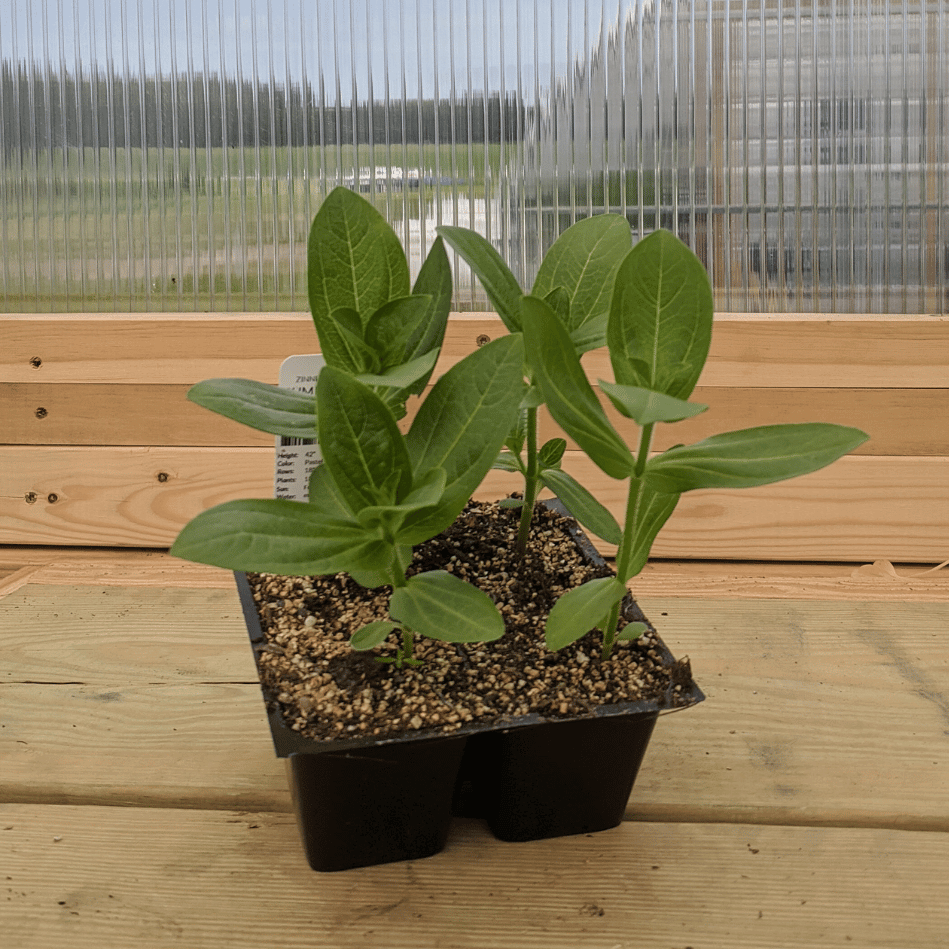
(325, 689)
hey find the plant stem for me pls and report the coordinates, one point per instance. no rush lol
(397, 578)
(408, 643)
(624, 554)
(530, 483)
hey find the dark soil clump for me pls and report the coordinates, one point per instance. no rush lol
(327, 690)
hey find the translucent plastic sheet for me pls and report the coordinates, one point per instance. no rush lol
(168, 155)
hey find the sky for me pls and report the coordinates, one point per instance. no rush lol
(422, 43)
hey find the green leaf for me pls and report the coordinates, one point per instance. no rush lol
(660, 323)
(486, 263)
(632, 631)
(583, 262)
(591, 335)
(570, 617)
(645, 407)
(444, 607)
(651, 510)
(518, 434)
(390, 329)
(372, 634)
(507, 461)
(369, 579)
(567, 392)
(533, 398)
(559, 301)
(582, 505)
(426, 489)
(551, 453)
(510, 503)
(403, 376)
(752, 456)
(264, 407)
(290, 538)
(342, 343)
(434, 281)
(354, 259)
(323, 494)
(361, 444)
(409, 521)
(464, 420)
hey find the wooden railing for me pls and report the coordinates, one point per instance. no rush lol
(99, 446)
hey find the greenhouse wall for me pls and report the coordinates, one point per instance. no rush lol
(168, 155)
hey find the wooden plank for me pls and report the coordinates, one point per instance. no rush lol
(748, 349)
(176, 348)
(110, 878)
(122, 566)
(14, 556)
(862, 508)
(190, 744)
(112, 636)
(136, 497)
(910, 353)
(899, 421)
(96, 414)
(141, 571)
(844, 582)
(816, 711)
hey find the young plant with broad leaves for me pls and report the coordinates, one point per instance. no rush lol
(658, 333)
(378, 492)
(371, 324)
(575, 281)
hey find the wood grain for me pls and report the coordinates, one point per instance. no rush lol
(189, 744)
(119, 636)
(899, 421)
(121, 566)
(817, 711)
(110, 878)
(792, 351)
(861, 508)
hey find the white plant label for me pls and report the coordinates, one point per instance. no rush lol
(297, 457)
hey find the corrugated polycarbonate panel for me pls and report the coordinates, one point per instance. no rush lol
(168, 155)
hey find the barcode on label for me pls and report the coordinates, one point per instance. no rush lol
(287, 441)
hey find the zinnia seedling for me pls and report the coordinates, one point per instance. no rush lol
(658, 334)
(378, 492)
(575, 279)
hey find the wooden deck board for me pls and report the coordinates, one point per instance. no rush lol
(111, 878)
(818, 710)
(803, 805)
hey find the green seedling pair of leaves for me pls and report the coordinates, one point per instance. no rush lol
(575, 280)
(658, 334)
(371, 324)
